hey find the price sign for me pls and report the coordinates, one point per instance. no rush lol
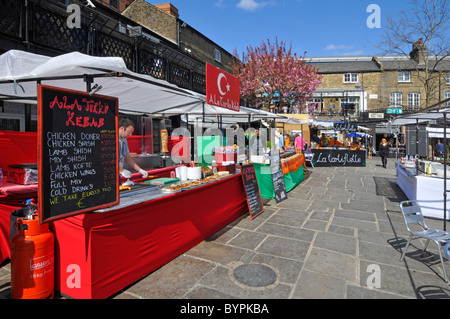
(279, 186)
(254, 200)
(78, 152)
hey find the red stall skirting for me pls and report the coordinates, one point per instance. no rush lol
(20, 147)
(99, 254)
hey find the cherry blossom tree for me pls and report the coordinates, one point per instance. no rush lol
(272, 72)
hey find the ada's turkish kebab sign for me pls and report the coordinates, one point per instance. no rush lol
(222, 89)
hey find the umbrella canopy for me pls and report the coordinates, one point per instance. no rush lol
(355, 134)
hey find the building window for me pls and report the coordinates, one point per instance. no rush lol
(414, 100)
(447, 96)
(350, 77)
(217, 55)
(404, 77)
(396, 99)
(448, 79)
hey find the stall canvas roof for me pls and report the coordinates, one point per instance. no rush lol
(137, 93)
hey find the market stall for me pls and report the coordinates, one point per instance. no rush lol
(117, 247)
(421, 180)
(424, 188)
(335, 151)
(113, 247)
(293, 174)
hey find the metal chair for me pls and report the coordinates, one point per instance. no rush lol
(413, 216)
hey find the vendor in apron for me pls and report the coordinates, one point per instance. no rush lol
(126, 129)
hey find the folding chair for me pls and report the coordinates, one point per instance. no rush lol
(413, 216)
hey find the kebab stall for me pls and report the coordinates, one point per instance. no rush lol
(152, 224)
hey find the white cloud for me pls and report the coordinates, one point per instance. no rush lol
(334, 47)
(251, 5)
(344, 49)
(220, 4)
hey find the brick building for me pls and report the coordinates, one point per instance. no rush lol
(164, 20)
(375, 87)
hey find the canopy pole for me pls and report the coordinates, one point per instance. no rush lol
(248, 130)
(445, 171)
(417, 146)
(203, 111)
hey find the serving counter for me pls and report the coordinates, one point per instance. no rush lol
(427, 190)
(98, 254)
(293, 174)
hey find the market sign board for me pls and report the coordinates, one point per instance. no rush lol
(279, 186)
(78, 152)
(338, 158)
(222, 89)
(254, 200)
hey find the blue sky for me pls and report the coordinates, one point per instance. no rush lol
(320, 27)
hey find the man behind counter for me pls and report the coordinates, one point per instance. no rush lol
(126, 129)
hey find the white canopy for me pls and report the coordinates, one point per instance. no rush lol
(137, 93)
(420, 117)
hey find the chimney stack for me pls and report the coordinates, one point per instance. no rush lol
(418, 52)
(169, 8)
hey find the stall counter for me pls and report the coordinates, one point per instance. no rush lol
(98, 254)
(427, 190)
(293, 173)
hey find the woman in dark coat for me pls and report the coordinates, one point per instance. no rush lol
(384, 152)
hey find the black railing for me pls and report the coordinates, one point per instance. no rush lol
(41, 26)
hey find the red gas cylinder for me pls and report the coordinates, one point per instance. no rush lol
(32, 260)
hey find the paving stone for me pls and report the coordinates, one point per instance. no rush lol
(247, 239)
(284, 247)
(314, 285)
(336, 242)
(172, 281)
(215, 252)
(353, 223)
(286, 231)
(333, 264)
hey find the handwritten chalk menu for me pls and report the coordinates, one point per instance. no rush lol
(254, 200)
(277, 178)
(78, 152)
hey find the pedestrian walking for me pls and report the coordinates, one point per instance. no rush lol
(439, 149)
(384, 152)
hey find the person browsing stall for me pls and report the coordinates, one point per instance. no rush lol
(126, 129)
(439, 149)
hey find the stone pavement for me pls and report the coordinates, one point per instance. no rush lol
(339, 230)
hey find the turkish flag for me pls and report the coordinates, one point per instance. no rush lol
(222, 89)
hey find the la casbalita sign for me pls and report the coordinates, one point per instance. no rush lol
(222, 89)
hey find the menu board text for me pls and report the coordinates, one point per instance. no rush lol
(78, 154)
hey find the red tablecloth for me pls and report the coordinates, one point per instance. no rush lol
(99, 254)
(12, 196)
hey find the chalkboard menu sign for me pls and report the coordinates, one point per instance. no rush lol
(343, 158)
(278, 178)
(78, 152)
(254, 200)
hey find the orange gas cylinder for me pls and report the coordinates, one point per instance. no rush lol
(32, 260)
